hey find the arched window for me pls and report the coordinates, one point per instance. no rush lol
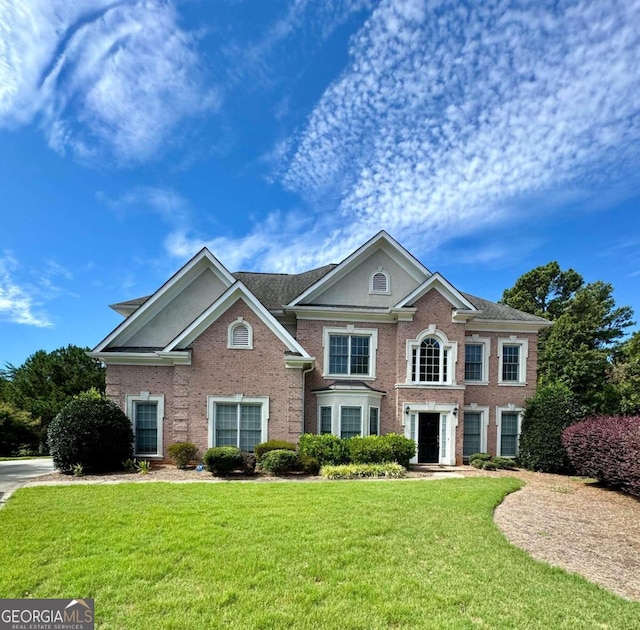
(240, 335)
(380, 282)
(431, 359)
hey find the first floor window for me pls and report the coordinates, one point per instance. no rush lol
(238, 425)
(509, 433)
(146, 428)
(350, 422)
(325, 420)
(374, 421)
(472, 442)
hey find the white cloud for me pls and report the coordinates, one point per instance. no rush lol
(100, 76)
(448, 114)
(16, 303)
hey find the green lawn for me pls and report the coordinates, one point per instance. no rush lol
(390, 554)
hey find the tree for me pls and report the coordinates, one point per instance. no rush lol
(577, 350)
(544, 291)
(18, 430)
(47, 381)
(625, 375)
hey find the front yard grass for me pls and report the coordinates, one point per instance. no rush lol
(364, 554)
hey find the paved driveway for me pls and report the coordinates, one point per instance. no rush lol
(15, 473)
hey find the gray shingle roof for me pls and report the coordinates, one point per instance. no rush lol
(502, 312)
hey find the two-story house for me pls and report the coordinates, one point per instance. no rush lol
(375, 344)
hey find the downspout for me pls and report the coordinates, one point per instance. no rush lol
(304, 384)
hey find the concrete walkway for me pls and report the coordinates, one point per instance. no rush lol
(15, 473)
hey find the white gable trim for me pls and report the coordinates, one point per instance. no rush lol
(145, 312)
(220, 306)
(445, 288)
(380, 241)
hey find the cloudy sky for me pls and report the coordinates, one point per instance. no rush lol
(488, 138)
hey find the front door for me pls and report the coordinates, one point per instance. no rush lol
(428, 438)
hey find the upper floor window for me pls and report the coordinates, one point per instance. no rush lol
(240, 335)
(431, 359)
(350, 352)
(379, 282)
(476, 359)
(513, 361)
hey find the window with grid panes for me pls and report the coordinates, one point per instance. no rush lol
(509, 434)
(374, 421)
(349, 354)
(325, 420)
(429, 362)
(510, 364)
(350, 422)
(146, 428)
(472, 442)
(473, 369)
(238, 425)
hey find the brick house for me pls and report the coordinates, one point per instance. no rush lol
(375, 344)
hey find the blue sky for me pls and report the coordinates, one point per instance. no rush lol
(488, 138)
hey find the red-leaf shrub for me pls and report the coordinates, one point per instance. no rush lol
(607, 448)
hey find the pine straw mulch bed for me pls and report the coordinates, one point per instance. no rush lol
(565, 521)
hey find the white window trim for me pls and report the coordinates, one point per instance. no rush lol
(336, 400)
(484, 424)
(499, 411)
(331, 428)
(523, 355)
(131, 400)
(485, 342)
(377, 408)
(372, 333)
(372, 291)
(451, 346)
(238, 399)
(232, 326)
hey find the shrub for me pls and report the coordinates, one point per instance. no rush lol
(504, 463)
(94, 433)
(608, 449)
(272, 445)
(248, 463)
(143, 467)
(369, 450)
(360, 471)
(326, 449)
(487, 462)
(18, 431)
(221, 460)
(182, 453)
(279, 461)
(310, 465)
(477, 459)
(403, 448)
(546, 415)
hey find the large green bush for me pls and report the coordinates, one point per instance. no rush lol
(547, 414)
(272, 445)
(221, 460)
(279, 461)
(94, 433)
(325, 449)
(403, 448)
(182, 453)
(371, 449)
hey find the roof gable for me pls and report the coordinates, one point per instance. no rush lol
(160, 317)
(444, 287)
(333, 287)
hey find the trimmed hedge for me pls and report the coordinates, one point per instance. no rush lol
(93, 433)
(488, 462)
(182, 453)
(372, 449)
(608, 449)
(403, 448)
(221, 460)
(325, 449)
(279, 461)
(361, 471)
(272, 445)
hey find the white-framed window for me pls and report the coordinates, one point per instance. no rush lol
(374, 420)
(146, 412)
(350, 422)
(240, 335)
(475, 424)
(326, 421)
(239, 421)
(379, 282)
(512, 365)
(431, 358)
(350, 352)
(508, 420)
(476, 360)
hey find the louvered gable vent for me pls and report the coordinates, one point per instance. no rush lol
(380, 283)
